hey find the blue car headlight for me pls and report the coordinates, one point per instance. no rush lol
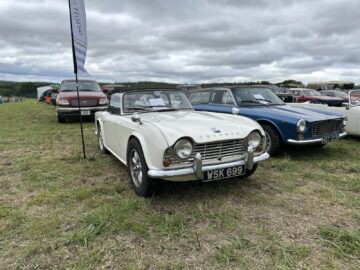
(301, 126)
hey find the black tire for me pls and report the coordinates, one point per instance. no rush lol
(318, 146)
(249, 173)
(100, 138)
(273, 144)
(61, 119)
(143, 185)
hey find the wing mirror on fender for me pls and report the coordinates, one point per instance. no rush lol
(235, 110)
(136, 118)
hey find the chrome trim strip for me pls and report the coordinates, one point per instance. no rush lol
(313, 141)
(73, 109)
(190, 170)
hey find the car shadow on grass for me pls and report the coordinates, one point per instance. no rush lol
(335, 151)
(200, 191)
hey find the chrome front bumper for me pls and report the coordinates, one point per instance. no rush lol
(76, 109)
(196, 171)
(313, 141)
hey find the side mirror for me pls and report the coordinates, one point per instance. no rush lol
(136, 118)
(235, 111)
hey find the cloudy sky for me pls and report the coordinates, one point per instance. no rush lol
(185, 41)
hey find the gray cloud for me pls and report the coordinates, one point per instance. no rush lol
(185, 41)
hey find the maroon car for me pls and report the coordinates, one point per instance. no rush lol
(335, 93)
(313, 96)
(92, 99)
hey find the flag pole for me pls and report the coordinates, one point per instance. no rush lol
(77, 82)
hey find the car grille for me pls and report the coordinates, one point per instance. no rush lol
(327, 127)
(84, 102)
(214, 150)
(221, 149)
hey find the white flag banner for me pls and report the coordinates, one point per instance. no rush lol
(78, 22)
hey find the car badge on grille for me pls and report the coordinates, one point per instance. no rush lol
(215, 130)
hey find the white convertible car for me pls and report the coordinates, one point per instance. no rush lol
(351, 110)
(158, 135)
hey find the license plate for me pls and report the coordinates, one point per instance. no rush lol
(224, 173)
(326, 140)
(85, 113)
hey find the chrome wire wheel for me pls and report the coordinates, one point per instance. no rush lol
(136, 168)
(268, 142)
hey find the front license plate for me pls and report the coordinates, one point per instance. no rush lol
(224, 173)
(326, 140)
(85, 113)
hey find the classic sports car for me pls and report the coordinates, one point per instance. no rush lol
(351, 109)
(281, 123)
(313, 96)
(158, 135)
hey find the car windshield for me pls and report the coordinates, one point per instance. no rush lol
(309, 92)
(155, 100)
(340, 94)
(83, 86)
(256, 96)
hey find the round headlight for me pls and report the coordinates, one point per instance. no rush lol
(183, 149)
(301, 126)
(345, 120)
(254, 139)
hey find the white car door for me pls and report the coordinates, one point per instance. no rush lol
(117, 129)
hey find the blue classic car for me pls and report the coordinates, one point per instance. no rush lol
(282, 124)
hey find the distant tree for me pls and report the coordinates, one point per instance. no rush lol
(287, 82)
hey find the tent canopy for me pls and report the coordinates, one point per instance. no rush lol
(41, 91)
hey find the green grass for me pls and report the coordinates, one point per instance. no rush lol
(300, 210)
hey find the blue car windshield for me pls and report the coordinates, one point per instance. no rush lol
(255, 97)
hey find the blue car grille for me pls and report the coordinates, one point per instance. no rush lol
(327, 127)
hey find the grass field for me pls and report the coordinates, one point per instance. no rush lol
(300, 210)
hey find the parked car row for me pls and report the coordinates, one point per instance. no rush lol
(206, 134)
(333, 97)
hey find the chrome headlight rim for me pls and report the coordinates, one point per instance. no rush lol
(345, 120)
(258, 140)
(183, 142)
(301, 126)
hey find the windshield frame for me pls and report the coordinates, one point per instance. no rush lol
(358, 99)
(147, 108)
(255, 103)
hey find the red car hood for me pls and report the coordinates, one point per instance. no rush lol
(82, 94)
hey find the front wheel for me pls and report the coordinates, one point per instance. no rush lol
(100, 136)
(273, 143)
(142, 184)
(61, 119)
